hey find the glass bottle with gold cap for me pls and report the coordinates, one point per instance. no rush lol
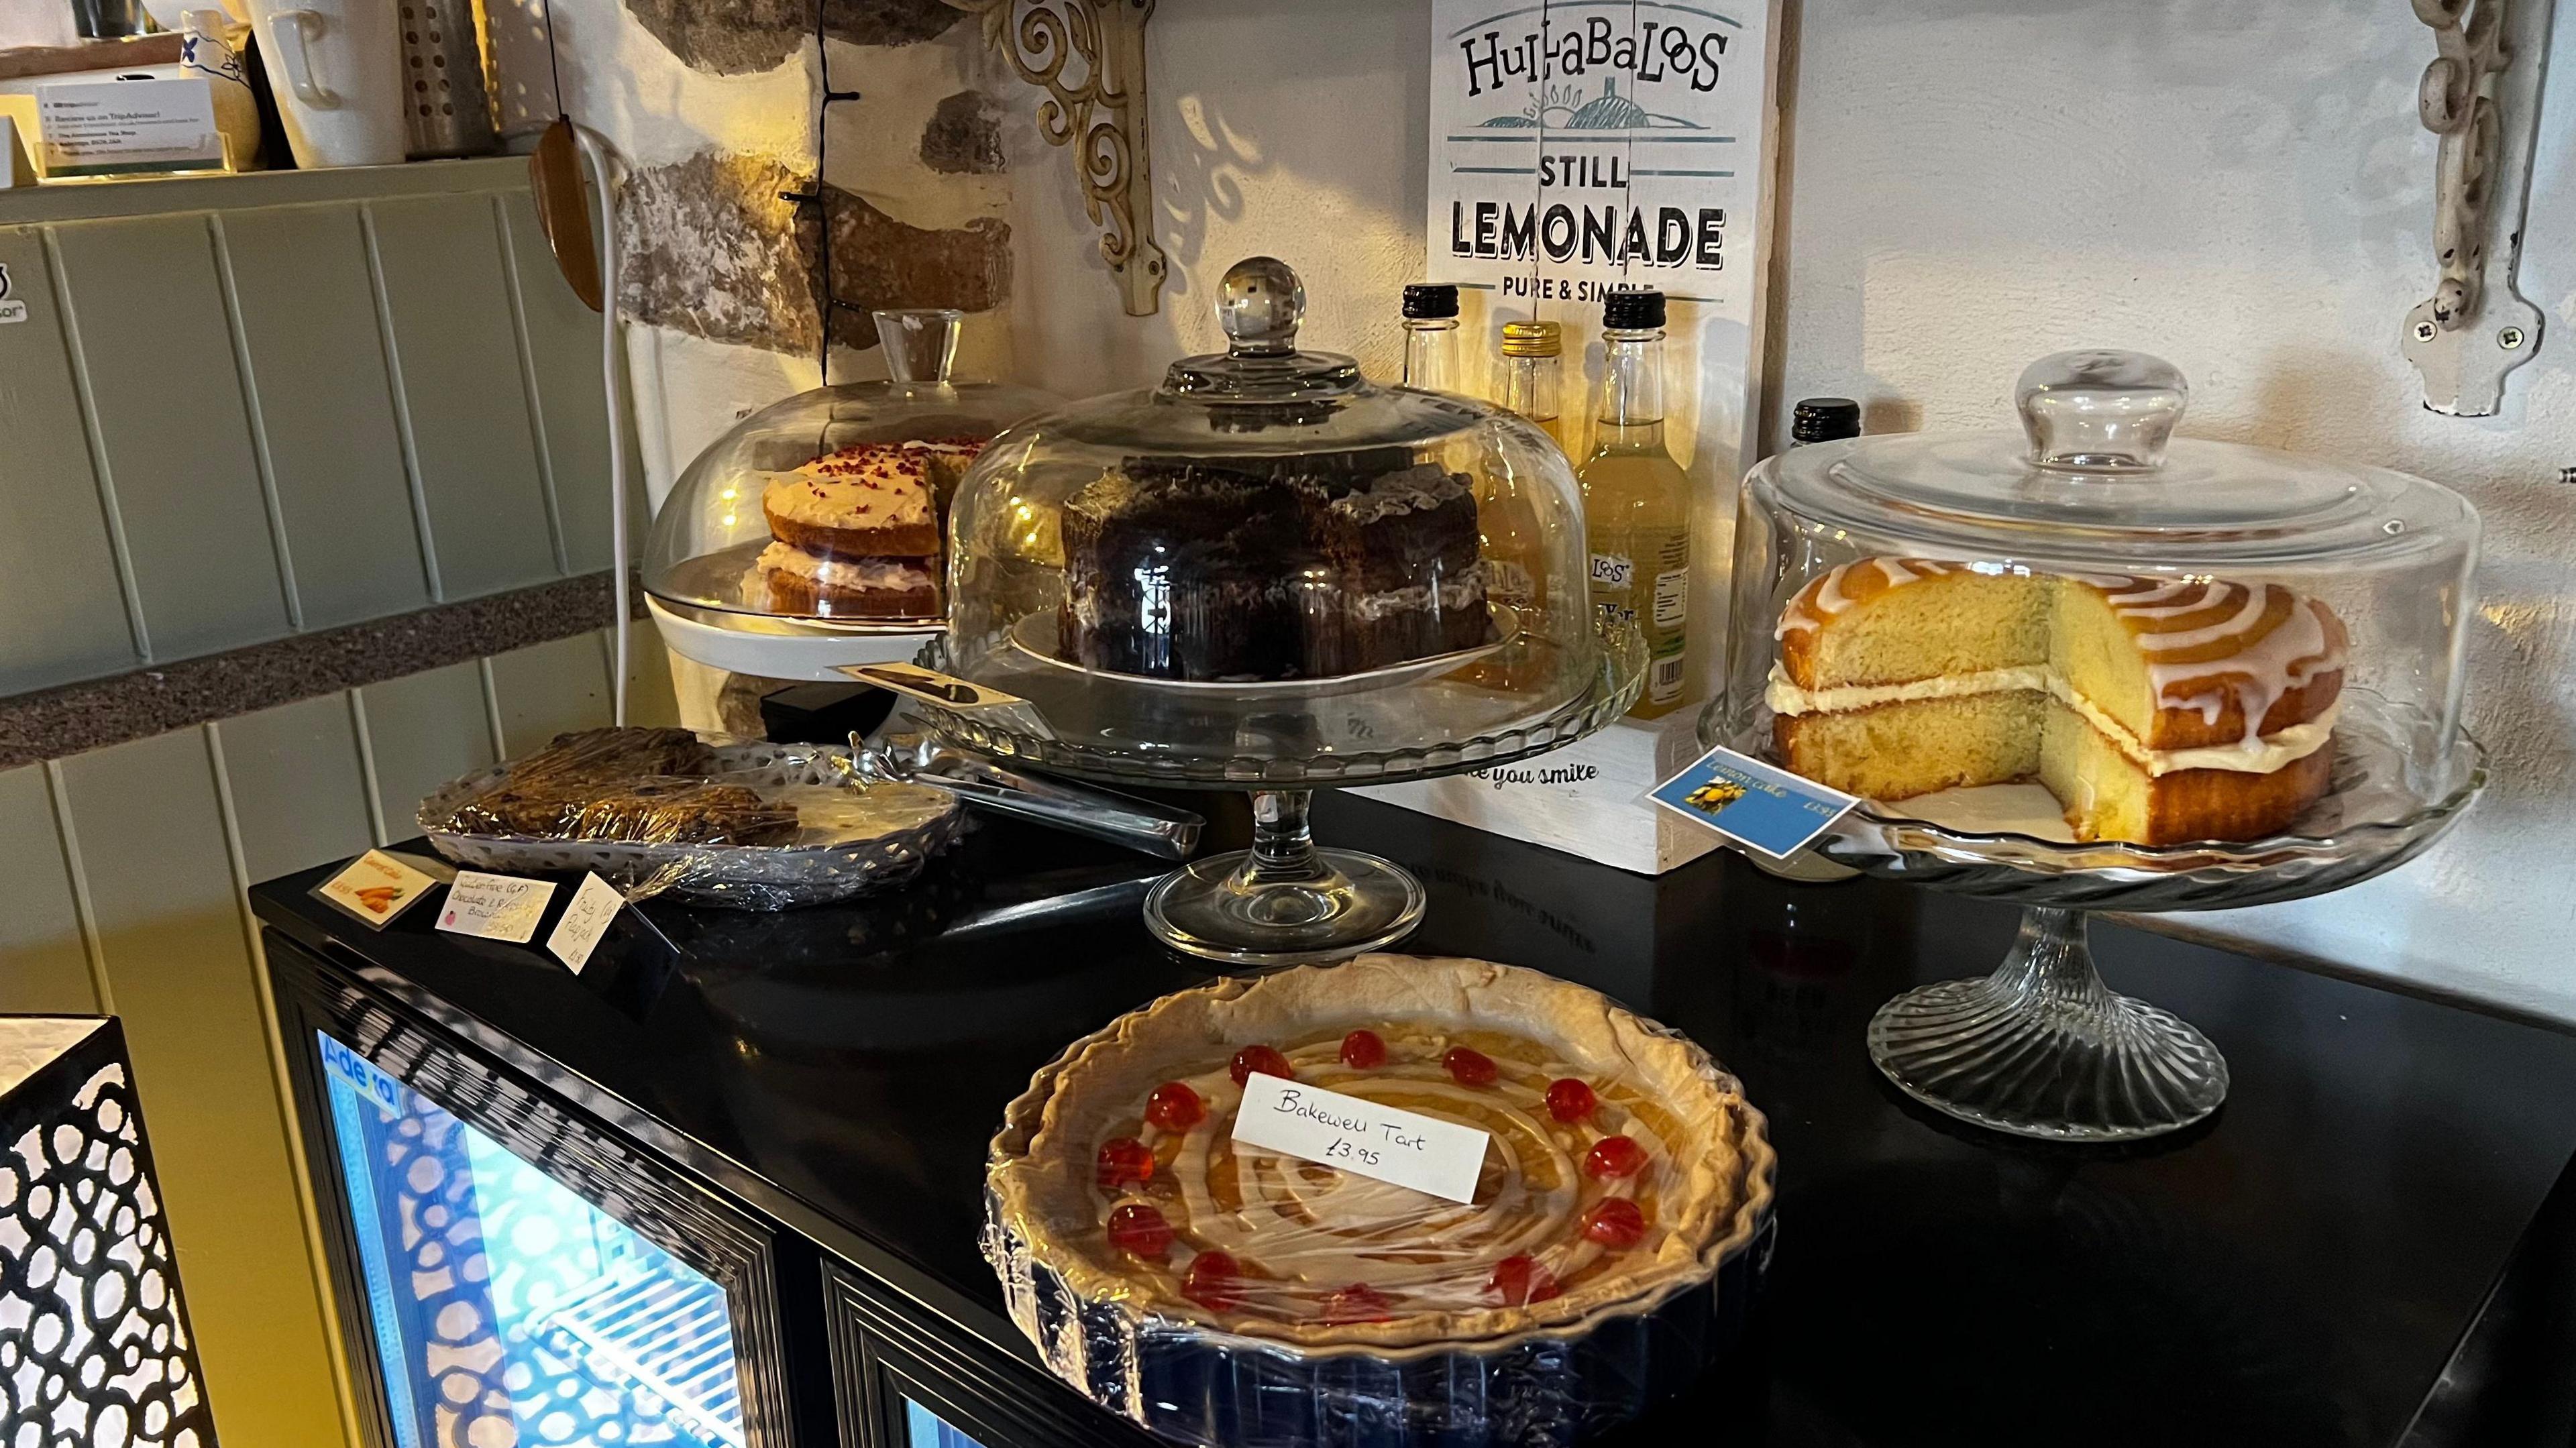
(1534, 378)
(1515, 550)
(1636, 499)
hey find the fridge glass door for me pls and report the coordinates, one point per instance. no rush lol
(509, 1311)
(923, 1428)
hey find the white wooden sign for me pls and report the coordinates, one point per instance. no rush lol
(1579, 147)
(1582, 146)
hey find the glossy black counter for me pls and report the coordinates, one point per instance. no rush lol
(2318, 1264)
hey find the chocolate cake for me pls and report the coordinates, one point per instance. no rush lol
(1258, 570)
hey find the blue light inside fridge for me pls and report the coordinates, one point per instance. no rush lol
(507, 1310)
(923, 1428)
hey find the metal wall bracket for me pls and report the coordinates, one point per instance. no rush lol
(1089, 56)
(2481, 95)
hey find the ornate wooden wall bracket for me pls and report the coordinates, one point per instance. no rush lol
(1089, 56)
(2481, 95)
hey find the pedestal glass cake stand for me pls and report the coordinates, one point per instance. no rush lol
(1271, 574)
(2186, 637)
(2042, 1048)
(1286, 901)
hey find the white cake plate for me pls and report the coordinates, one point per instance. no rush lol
(783, 648)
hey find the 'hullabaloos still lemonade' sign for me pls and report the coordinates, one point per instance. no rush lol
(1581, 147)
(1588, 145)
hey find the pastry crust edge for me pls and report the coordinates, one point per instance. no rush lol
(1714, 1214)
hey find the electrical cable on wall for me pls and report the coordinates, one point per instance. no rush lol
(827, 302)
(553, 173)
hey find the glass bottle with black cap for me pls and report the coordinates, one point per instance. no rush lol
(1813, 420)
(1823, 419)
(1636, 500)
(1431, 336)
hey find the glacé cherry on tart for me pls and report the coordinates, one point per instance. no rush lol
(1617, 1157)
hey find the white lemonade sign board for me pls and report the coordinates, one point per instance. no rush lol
(1584, 146)
(1579, 147)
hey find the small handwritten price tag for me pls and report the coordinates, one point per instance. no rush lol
(495, 907)
(584, 921)
(1752, 803)
(376, 887)
(1407, 1148)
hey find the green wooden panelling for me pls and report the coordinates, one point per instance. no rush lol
(63, 606)
(650, 698)
(299, 793)
(572, 403)
(317, 370)
(158, 351)
(157, 862)
(545, 690)
(456, 348)
(43, 966)
(424, 730)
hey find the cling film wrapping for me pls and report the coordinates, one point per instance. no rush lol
(744, 826)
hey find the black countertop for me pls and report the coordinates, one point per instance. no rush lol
(2303, 1268)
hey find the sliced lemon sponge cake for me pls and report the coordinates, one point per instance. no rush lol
(2157, 710)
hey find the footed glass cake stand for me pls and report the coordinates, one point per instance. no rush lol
(1286, 901)
(2042, 1048)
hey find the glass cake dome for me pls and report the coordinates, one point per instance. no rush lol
(1181, 575)
(2245, 574)
(827, 512)
(2090, 665)
(1272, 573)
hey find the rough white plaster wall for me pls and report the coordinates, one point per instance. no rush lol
(2241, 188)
(1291, 127)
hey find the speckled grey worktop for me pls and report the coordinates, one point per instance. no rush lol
(95, 713)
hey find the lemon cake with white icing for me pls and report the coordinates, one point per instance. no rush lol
(2156, 710)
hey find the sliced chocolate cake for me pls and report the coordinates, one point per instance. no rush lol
(1404, 545)
(1257, 570)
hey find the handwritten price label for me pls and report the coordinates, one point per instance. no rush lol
(1407, 1148)
(495, 907)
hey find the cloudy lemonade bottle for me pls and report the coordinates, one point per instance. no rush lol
(1636, 499)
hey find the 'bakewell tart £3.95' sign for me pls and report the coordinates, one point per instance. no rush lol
(1583, 146)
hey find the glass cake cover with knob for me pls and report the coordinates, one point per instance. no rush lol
(821, 520)
(2090, 664)
(1270, 573)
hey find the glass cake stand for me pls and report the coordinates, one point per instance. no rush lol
(2042, 1048)
(1272, 574)
(1286, 901)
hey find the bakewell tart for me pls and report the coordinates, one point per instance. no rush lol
(1218, 1292)
(2156, 710)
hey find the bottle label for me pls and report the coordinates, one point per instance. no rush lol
(1612, 570)
(1672, 598)
(1664, 680)
(1506, 581)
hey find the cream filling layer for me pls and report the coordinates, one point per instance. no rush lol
(2261, 755)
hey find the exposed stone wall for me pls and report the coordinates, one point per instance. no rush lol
(736, 37)
(716, 250)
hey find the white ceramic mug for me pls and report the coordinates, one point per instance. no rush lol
(336, 68)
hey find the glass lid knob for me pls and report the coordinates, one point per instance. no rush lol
(2100, 411)
(1259, 306)
(920, 342)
